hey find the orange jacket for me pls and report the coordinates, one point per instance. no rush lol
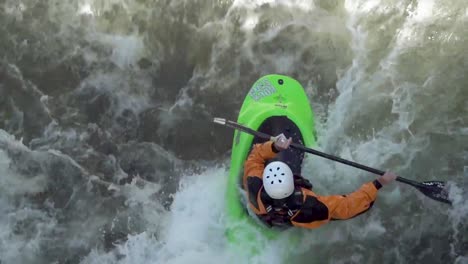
(315, 210)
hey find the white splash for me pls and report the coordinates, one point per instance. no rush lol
(356, 7)
(85, 9)
(300, 4)
(424, 11)
(192, 232)
(126, 49)
(250, 22)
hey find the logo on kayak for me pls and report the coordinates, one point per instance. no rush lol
(280, 99)
(262, 89)
(281, 106)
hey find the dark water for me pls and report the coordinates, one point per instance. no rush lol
(107, 153)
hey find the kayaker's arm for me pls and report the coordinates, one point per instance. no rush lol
(353, 204)
(253, 171)
(255, 163)
(318, 210)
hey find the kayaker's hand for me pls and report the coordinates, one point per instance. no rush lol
(387, 178)
(281, 142)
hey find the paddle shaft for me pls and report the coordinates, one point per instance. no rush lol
(350, 163)
(318, 153)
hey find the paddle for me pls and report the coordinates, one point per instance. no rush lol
(433, 189)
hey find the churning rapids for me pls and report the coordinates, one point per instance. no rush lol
(107, 153)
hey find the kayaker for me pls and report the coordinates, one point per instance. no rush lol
(282, 199)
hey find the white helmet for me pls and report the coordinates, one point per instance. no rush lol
(278, 180)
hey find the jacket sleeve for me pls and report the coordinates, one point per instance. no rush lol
(348, 206)
(253, 171)
(255, 163)
(318, 210)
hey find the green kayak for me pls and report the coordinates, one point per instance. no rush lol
(275, 104)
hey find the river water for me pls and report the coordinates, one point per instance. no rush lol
(107, 153)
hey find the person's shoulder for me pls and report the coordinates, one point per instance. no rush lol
(297, 199)
(307, 191)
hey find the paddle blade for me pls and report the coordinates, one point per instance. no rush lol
(437, 190)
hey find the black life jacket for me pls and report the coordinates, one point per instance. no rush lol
(280, 211)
